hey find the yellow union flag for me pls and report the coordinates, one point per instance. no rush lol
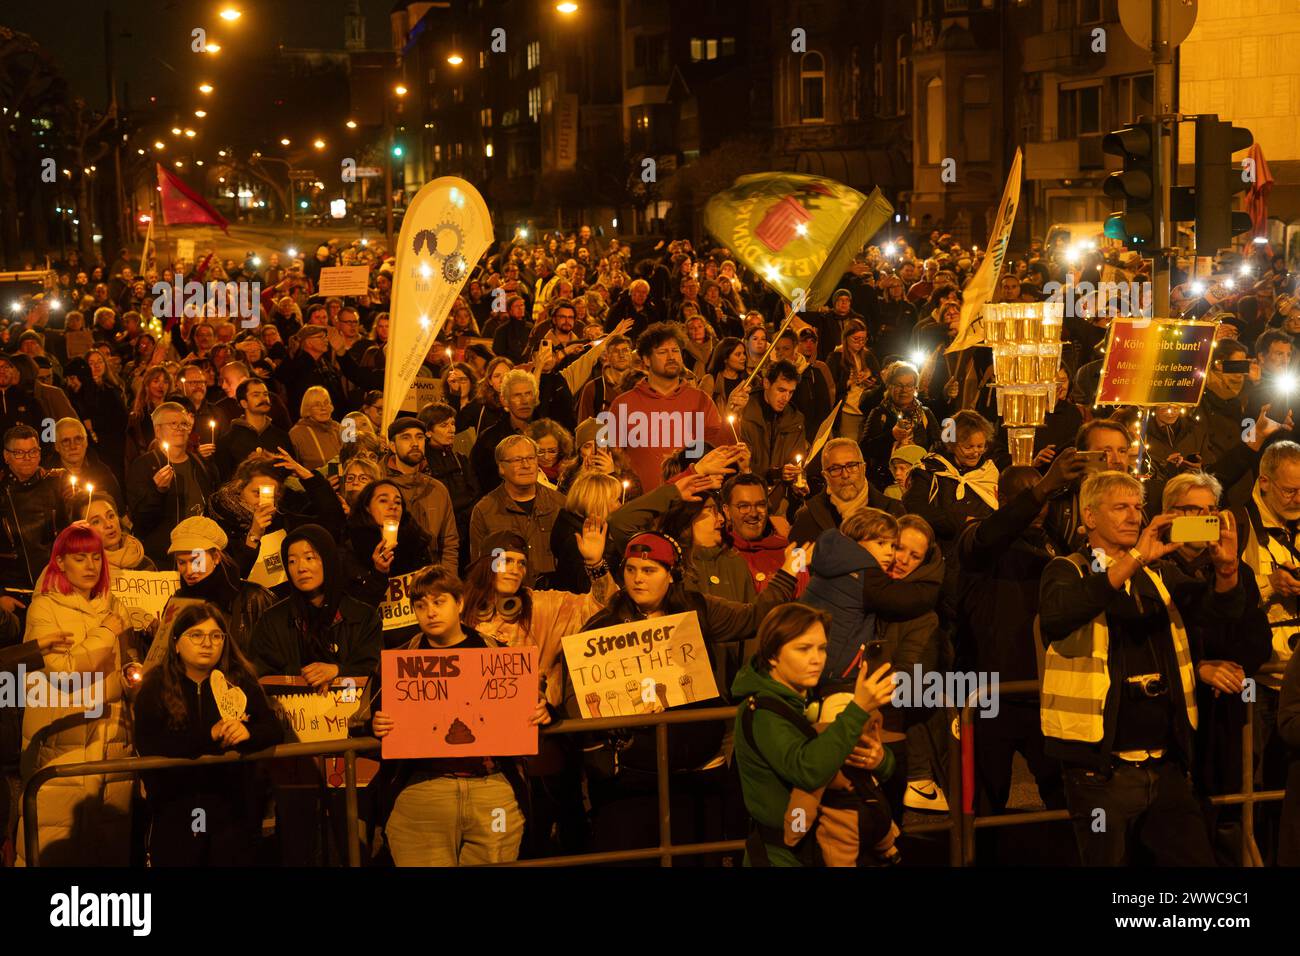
(798, 232)
(446, 230)
(979, 289)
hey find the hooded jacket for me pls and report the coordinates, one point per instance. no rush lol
(83, 820)
(642, 408)
(785, 758)
(341, 631)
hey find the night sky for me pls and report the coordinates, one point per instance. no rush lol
(153, 38)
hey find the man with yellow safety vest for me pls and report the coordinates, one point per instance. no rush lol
(1119, 698)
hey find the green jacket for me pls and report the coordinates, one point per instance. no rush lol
(795, 760)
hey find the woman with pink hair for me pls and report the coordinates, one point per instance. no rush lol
(75, 708)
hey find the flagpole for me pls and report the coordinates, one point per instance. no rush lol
(789, 317)
(148, 235)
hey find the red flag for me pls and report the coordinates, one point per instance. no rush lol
(1257, 194)
(182, 205)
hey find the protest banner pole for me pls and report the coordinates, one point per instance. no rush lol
(789, 317)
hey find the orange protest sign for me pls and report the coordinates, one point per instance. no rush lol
(461, 702)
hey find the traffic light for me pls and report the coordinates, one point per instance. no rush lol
(397, 152)
(1217, 181)
(1137, 184)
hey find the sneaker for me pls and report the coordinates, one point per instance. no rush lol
(925, 795)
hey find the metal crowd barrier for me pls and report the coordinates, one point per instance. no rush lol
(960, 823)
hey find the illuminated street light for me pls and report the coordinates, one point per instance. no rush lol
(159, 144)
(190, 133)
(212, 48)
(231, 14)
(205, 88)
(284, 141)
(200, 113)
(455, 59)
(352, 124)
(319, 144)
(179, 164)
(176, 131)
(567, 8)
(399, 89)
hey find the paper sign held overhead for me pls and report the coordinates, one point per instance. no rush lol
(268, 569)
(344, 280)
(1154, 362)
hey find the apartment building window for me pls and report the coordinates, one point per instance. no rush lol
(977, 117)
(903, 76)
(1078, 111)
(437, 152)
(482, 59)
(648, 51)
(459, 150)
(458, 94)
(704, 48)
(1135, 97)
(1088, 11)
(934, 120)
(535, 103)
(727, 46)
(534, 54)
(485, 118)
(812, 88)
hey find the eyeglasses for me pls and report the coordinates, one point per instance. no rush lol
(205, 637)
(179, 426)
(848, 468)
(523, 460)
(358, 480)
(899, 387)
(1192, 510)
(21, 455)
(745, 507)
(547, 452)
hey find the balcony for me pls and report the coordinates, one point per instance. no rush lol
(1068, 51)
(1065, 158)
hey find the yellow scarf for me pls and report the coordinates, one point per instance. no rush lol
(982, 480)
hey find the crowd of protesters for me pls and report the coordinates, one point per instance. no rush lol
(834, 500)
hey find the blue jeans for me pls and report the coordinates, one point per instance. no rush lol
(450, 821)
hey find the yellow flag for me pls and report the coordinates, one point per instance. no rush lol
(979, 289)
(446, 231)
(824, 431)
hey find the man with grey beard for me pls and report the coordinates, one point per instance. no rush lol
(847, 490)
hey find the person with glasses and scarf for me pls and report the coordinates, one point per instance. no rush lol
(899, 419)
(167, 484)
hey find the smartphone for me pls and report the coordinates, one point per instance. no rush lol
(1194, 529)
(1094, 461)
(875, 656)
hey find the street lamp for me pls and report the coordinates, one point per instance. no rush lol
(319, 144)
(200, 113)
(213, 48)
(567, 8)
(399, 89)
(159, 144)
(284, 141)
(230, 14)
(176, 131)
(190, 133)
(455, 59)
(352, 124)
(205, 88)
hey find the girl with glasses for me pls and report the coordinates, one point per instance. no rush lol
(177, 715)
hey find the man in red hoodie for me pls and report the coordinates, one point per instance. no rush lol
(663, 414)
(745, 502)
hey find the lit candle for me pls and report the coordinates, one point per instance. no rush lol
(212, 424)
(448, 355)
(731, 421)
(73, 479)
(90, 492)
(267, 494)
(390, 534)
(623, 496)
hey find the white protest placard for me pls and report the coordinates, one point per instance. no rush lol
(185, 250)
(344, 280)
(147, 591)
(268, 569)
(395, 610)
(423, 391)
(623, 669)
(313, 717)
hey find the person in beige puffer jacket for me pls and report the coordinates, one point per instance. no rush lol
(82, 820)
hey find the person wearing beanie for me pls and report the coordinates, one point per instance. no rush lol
(426, 498)
(313, 364)
(653, 585)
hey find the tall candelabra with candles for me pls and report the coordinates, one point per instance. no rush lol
(1026, 342)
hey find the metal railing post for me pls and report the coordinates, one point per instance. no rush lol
(665, 806)
(956, 839)
(350, 781)
(1248, 850)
